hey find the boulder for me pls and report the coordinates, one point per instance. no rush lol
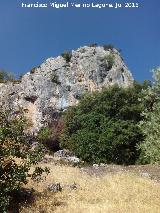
(55, 187)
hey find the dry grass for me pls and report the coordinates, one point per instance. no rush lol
(119, 193)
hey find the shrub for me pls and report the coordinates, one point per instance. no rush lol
(1, 76)
(16, 156)
(150, 148)
(67, 56)
(108, 47)
(93, 45)
(109, 61)
(20, 77)
(6, 76)
(45, 136)
(104, 126)
(55, 78)
(32, 71)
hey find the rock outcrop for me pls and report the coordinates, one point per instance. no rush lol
(57, 84)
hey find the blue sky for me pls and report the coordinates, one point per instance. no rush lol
(29, 36)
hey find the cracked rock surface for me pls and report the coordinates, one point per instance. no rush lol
(57, 84)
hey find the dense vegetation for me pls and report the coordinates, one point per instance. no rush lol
(116, 125)
(16, 156)
(150, 125)
(104, 126)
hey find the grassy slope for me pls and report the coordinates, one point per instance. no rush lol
(123, 192)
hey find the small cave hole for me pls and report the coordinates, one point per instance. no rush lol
(110, 80)
(31, 99)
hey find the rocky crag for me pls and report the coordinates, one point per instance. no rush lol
(58, 83)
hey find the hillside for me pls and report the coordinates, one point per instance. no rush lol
(108, 189)
(102, 140)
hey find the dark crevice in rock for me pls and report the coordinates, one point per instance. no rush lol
(110, 79)
(12, 93)
(122, 70)
(31, 99)
(123, 77)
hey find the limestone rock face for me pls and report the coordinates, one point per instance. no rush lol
(57, 84)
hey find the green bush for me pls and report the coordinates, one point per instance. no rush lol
(16, 156)
(108, 47)
(110, 61)
(67, 56)
(45, 137)
(104, 126)
(55, 78)
(44, 134)
(93, 45)
(150, 126)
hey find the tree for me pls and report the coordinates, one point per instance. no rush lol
(16, 156)
(104, 126)
(150, 125)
